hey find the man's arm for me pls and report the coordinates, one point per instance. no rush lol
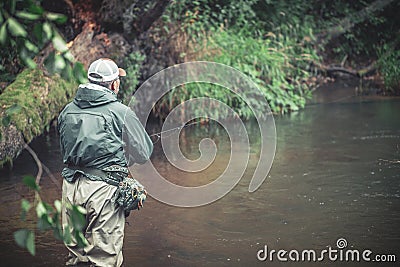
(138, 145)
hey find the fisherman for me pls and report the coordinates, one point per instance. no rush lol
(96, 176)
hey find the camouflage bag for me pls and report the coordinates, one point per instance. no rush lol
(130, 195)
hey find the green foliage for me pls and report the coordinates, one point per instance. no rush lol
(197, 17)
(273, 47)
(132, 65)
(388, 64)
(25, 207)
(360, 41)
(278, 65)
(29, 181)
(49, 218)
(377, 27)
(18, 18)
(26, 239)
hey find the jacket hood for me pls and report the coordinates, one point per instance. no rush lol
(92, 95)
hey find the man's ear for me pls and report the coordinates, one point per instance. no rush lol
(113, 85)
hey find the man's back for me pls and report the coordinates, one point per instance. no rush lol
(91, 129)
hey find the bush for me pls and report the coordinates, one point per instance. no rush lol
(388, 65)
(132, 65)
(278, 64)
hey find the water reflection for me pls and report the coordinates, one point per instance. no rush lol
(335, 174)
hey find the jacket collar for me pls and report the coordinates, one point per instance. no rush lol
(97, 87)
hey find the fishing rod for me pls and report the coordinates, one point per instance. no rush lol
(158, 135)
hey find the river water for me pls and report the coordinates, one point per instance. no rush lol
(336, 174)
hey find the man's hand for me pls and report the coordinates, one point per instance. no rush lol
(141, 199)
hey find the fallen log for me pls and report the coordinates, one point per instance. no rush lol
(27, 107)
(363, 72)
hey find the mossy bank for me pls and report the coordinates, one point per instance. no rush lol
(27, 108)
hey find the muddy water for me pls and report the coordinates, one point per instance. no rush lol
(336, 174)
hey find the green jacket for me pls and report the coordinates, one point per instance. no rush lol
(97, 131)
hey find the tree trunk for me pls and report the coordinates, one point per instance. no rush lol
(27, 107)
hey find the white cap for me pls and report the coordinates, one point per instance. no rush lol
(104, 70)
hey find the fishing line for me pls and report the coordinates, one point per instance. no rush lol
(158, 135)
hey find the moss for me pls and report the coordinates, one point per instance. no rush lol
(33, 100)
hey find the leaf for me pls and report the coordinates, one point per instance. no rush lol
(80, 73)
(26, 239)
(25, 205)
(81, 209)
(49, 62)
(16, 28)
(30, 243)
(41, 209)
(68, 56)
(77, 218)
(54, 63)
(21, 236)
(59, 44)
(57, 17)
(58, 205)
(29, 62)
(48, 207)
(3, 34)
(38, 31)
(27, 15)
(31, 47)
(47, 30)
(80, 239)
(67, 73)
(57, 232)
(29, 181)
(35, 9)
(59, 63)
(67, 235)
(44, 223)
(166, 29)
